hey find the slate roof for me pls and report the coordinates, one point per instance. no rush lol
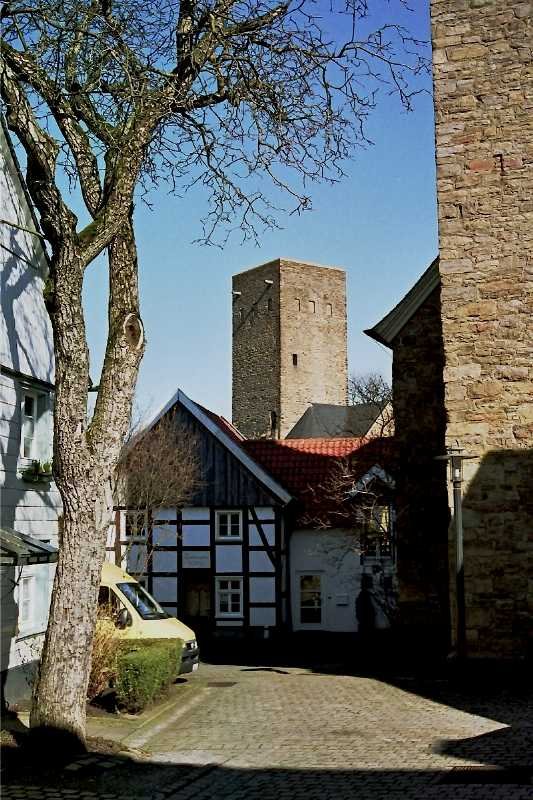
(324, 420)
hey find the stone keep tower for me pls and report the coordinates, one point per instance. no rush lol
(289, 344)
(483, 80)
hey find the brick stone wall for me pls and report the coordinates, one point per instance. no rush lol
(483, 81)
(291, 352)
(313, 328)
(421, 497)
(256, 350)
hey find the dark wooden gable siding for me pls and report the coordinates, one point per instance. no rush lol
(226, 482)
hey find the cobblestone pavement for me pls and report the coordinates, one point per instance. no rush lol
(256, 734)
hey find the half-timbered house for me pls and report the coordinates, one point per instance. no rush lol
(249, 554)
(219, 562)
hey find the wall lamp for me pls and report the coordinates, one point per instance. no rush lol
(269, 283)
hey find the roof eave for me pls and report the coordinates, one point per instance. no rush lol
(388, 328)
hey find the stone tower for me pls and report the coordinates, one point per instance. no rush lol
(483, 81)
(289, 344)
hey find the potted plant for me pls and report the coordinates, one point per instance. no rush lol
(37, 472)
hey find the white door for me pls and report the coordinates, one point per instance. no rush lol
(311, 606)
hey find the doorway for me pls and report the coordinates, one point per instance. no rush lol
(197, 600)
(311, 606)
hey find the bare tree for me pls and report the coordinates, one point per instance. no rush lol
(119, 94)
(369, 387)
(159, 467)
(372, 390)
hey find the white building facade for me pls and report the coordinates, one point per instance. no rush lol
(30, 503)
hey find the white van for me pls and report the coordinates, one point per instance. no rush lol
(139, 616)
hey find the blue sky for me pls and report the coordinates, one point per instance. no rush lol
(379, 224)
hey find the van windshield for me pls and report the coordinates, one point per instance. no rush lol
(143, 603)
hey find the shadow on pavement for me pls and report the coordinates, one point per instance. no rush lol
(149, 779)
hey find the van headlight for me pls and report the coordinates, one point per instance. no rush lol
(192, 645)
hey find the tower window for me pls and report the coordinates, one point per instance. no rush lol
(269, 304)
(295, 359)
(312, 307)
(329, 309)
(273, 423)
(298, 304)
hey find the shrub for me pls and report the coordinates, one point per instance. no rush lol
(145, 668)
(104, 657)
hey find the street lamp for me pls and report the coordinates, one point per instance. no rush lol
(455, 457)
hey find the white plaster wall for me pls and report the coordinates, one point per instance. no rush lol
(195, 535)
(229, 558)
(25, 331)
(262, 590)
(260, 562)
(263, 617)
(269, 531)
(165, 589)
(166, 561)
(263, 512)
(335, 556)
(164, 535)
(195, 513)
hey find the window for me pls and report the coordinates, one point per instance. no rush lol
(269, 304)
(143, 603)
(273, 423)
(26, 602)
(228, 525)
(312, 306)
(329, 309)
(297, 304)
(135, 525)
(36, 425)
(108, 603)
(229, 597)
(310, 599)
(295, 359)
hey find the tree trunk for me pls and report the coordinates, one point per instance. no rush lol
(60, 692)
(85, 457)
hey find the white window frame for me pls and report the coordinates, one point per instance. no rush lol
(26, 625)
(220, 592)
(228, 537)
(320, 575)
(23, 417)
(41, 440)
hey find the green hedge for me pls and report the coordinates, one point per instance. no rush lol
(144, 670)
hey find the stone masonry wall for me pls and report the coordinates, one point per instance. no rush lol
(302, 315)
(313, 328)
(256, 350)
(483, 81)
(421, 497)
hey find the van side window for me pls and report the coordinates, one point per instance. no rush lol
(108, 603)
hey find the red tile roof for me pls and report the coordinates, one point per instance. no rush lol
(224, 424)
(305, 467)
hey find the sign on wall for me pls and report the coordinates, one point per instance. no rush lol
(195, 560)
